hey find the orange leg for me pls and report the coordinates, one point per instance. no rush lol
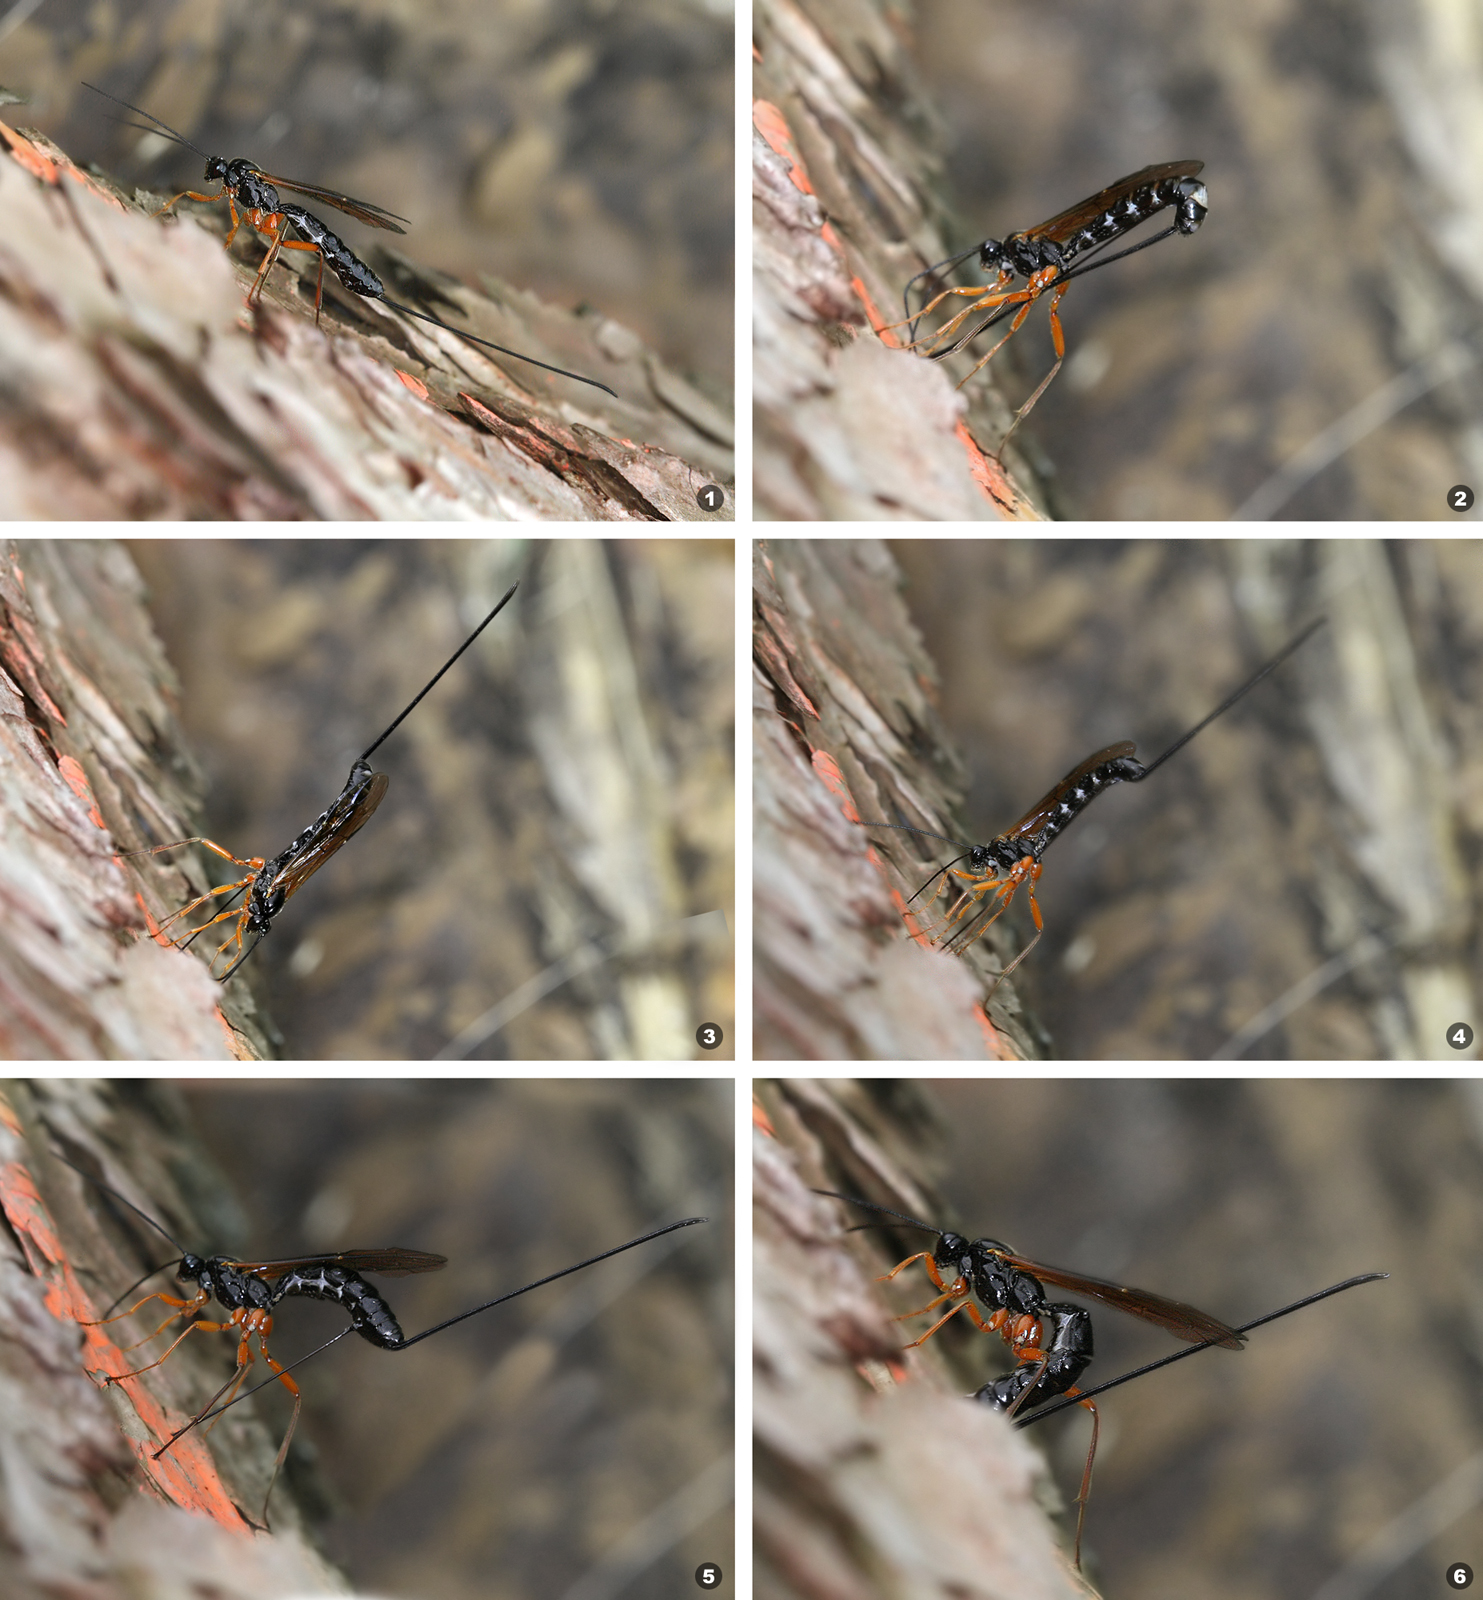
(251, 1323)
(254, 865)
(957, 1290)
(197, 1302)
(1026, 871)
(190, 194)
(272, 227)
(977, 889)
(1006, 892)
(209, 1327)
(921, 1255)
(1058, 335)
(977, 293)
(974, 1317)
(1024, 298)
(1034, 1353)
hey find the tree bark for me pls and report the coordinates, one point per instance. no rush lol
(847, 731)
(77, 1450)
(93, 764)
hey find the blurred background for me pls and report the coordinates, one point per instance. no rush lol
(1301, 881)
(550, 872)
(575, 1444)
(581, 149)
(1340, 1454)
(1313, 351)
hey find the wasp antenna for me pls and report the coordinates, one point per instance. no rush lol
(366, 755)
(927, 272)
(870, 1205)
(924, 833)
(160, 127)
(142, 1215)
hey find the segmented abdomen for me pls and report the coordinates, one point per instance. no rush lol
(1045, 819)
(347, 267)
(370, 1315)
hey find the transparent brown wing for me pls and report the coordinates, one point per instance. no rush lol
(1183, 1321)
(391, 1262)
(361, 210)
(1063, 225)
(1040, 813)
(344, 820)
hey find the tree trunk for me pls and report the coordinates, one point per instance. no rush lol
(92, 764)
(847, 731)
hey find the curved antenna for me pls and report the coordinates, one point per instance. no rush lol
(1230, 700)
(906, 828)
(927, 272)
(427, 1333)
(161, 127)
(967, 851)
(545, 366)
(144, 1216)
(1194, 1349)
(365, 756)
(870, 1205)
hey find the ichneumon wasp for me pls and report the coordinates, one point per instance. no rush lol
(1051, 1342)
(1013, 858)
(245, 184)
(1051, 254)
(269, 883)
(252, 1291)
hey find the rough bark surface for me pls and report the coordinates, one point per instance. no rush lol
(137, 386)
(85, 1509)
(92, 762)
(849, 425)
(847, 731)
(874, 1477)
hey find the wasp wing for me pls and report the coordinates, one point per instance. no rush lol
(340, 823)
(361, 210)
(391, 1262)
(1184, 1322)
(1071, 221)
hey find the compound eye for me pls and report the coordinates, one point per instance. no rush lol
(991, 253)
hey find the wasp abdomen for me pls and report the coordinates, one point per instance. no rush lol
(370, 1315)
